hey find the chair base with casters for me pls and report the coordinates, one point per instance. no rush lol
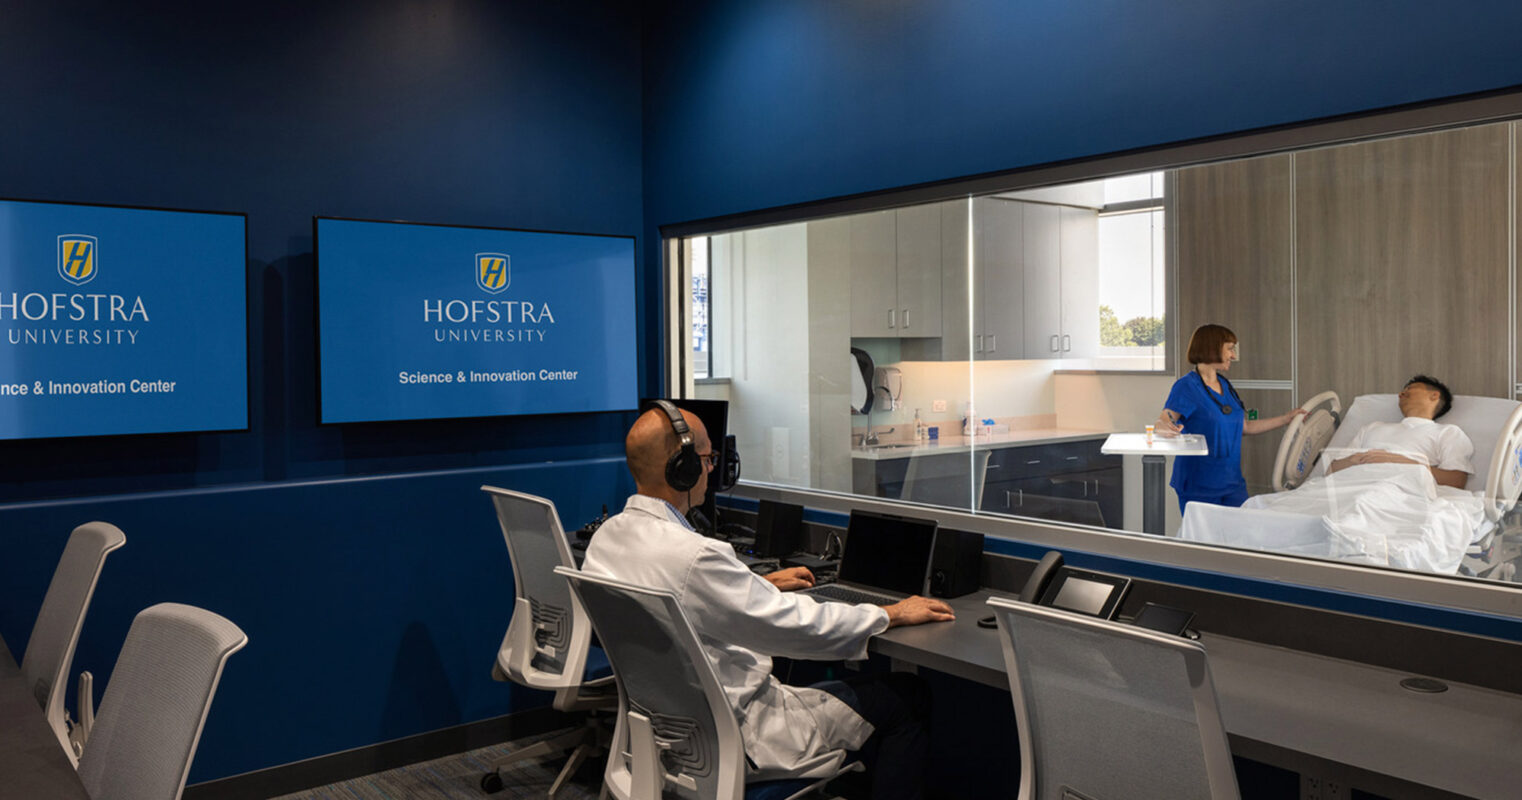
(588, 741)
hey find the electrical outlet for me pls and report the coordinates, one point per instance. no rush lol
(938, 405)
(781, 464)
(1321, 788)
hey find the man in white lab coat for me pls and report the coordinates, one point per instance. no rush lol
(744, 619)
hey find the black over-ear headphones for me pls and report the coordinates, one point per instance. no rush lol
(684, 467)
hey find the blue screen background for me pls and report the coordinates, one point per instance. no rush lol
(188, 268)
(376, 281)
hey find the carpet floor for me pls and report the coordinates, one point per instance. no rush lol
(459, 776)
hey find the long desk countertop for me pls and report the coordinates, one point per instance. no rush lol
(1464, 740)
(962, 444)
(32, 762)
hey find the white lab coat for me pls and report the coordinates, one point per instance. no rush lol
(742, 620)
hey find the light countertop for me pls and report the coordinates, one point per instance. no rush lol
(962, 444)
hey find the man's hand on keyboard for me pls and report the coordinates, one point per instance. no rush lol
(915, 610)
(791, 578)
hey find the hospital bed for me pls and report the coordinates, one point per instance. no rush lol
(1493, 424)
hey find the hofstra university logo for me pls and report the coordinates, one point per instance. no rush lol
(78, 258)
(82, 318)
(493, 272)
(482, 320)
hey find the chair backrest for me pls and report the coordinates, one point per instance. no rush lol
(667, 693)
(547, 638)
(50, 650)
(150, 719)
(1109, 710)
(954, 480)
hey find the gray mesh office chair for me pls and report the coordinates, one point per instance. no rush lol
(548, 640)
(50, 650)
(677, 736)
(954, 480)
(156, 703)
(1107, 710)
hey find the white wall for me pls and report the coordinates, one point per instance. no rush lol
(769, 384)
(1000, 389)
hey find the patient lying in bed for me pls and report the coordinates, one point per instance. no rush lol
(1396, 494)
(1417, 439)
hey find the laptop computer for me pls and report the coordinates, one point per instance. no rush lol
(886, 558)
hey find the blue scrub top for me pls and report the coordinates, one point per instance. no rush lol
(1200, 412)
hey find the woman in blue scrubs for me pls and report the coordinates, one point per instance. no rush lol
(1203, 402)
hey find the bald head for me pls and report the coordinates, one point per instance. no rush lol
(651, 443)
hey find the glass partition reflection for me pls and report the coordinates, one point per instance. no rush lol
(979, 353)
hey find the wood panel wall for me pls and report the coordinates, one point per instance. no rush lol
(1234, 260)
(1401, 263)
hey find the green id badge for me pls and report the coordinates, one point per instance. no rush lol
(1252, 413)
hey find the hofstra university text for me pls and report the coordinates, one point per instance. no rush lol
(60, 307)
(488, 312)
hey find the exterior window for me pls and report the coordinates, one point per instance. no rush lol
(1132, 269)
(702, 339)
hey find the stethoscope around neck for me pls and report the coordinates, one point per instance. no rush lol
(1225, 407)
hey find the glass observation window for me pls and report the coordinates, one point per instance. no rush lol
(977, 352)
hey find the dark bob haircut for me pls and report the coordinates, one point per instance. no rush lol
(1205, 345)
(1446, 401)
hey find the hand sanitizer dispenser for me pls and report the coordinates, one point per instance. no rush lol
(890, 382)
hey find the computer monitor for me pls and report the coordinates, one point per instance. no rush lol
(888, 552)
(715, 417)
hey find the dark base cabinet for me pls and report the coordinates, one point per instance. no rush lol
(1063, 482)
(1060, 481)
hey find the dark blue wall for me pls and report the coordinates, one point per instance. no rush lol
(374, 606)
(752, 104)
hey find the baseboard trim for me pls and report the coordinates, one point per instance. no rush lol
(341, 766)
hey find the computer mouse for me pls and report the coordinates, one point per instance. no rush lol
(987, 622)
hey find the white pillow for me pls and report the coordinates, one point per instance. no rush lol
(1482, 418)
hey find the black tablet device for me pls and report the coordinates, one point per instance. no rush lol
(1094, 593)
(1166, 619)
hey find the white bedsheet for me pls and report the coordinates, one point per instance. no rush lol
(1386, 514)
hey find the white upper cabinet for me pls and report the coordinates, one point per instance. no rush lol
(995, 329)
(1061, 282)
(919, 270)
(1043, 281)
(874, 274)
(1080, 283)
(1019, 282)
(896, 273)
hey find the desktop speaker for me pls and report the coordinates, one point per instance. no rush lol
(779, 529)
(956, 563)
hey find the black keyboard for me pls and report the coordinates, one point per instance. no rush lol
(844, 594)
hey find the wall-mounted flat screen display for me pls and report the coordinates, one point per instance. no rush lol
(432, 321)
(121, 320)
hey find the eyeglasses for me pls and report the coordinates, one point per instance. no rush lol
(711, 460)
